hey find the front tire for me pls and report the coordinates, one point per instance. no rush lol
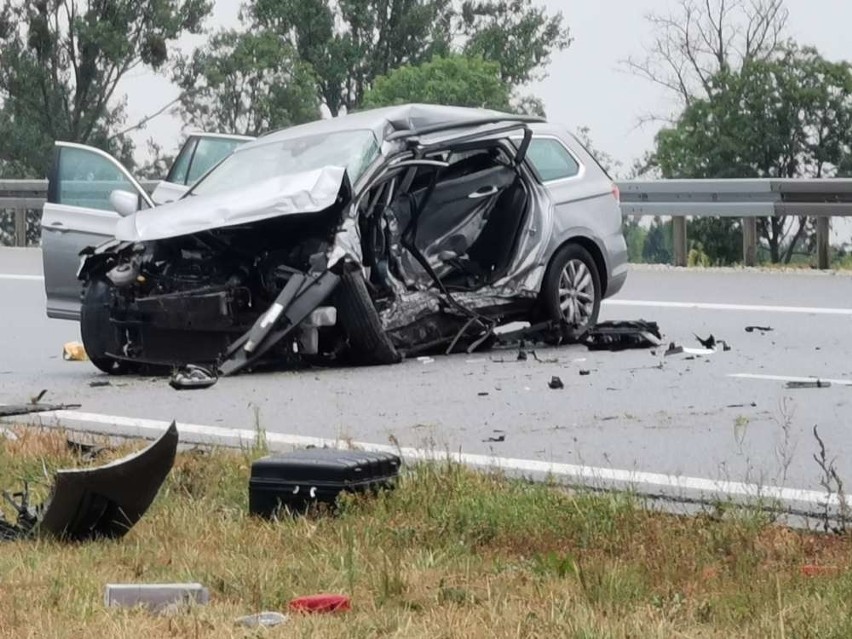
(360, 322)
(571, 291)
(98, 333)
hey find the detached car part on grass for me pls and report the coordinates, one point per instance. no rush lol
(101, 502)
(363, 239)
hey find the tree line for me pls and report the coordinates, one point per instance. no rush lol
(748, 100)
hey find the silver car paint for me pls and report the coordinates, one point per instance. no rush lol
(67, 230)
(583, 207)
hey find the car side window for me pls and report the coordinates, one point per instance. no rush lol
(551, 159)
(208, 153)
(177, 174)
(86, 179)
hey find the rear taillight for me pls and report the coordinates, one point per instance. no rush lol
(616, 193)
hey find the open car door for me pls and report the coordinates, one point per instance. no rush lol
(200, 153)
(80, 210)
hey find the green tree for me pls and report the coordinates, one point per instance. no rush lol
(658, 243)
(351, 43)
(635, 236)
(246, 82)
(60, 65)
(456, 80)
(788, 116)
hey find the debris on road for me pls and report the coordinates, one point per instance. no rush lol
(752, 405)
(102, 502)
(100, 383)
(10, 410)
(322, 603)
(675, 349)
(555, 383)
(155, 597)
(816, 383)
(192, 377)
(761, 329)
(299, 479)
(622, 335)
(74, 352)
(425, 360)
(584, 372)
(710, 342)
(482, 394)
(265, 619)
(495, 440)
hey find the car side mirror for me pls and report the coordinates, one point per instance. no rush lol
(124, 202)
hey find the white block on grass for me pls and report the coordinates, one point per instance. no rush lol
(155, 596)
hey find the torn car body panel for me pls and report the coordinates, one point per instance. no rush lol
(438, 210)
(101, 502)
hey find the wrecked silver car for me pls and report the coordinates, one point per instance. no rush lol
(361, 239)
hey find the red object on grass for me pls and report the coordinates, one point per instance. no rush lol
(321, 603)
(812, 570)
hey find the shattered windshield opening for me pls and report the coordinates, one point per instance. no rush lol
(351, 150)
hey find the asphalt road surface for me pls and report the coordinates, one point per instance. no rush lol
(728, 415)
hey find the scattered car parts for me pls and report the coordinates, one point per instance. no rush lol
(10, 410)
(816, 383)
(761, 329)
(622, 335)
(101, 502)
(193, 376)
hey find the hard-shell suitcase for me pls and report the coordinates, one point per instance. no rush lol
(300, 478)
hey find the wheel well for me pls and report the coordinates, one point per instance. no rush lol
(597, 256)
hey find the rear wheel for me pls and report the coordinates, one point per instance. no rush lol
(571, 292)
(360, 321)
(98, 333)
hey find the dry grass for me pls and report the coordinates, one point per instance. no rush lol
(450, 553)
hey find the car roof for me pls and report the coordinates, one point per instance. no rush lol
(398, 121)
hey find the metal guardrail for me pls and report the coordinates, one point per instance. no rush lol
(748, 199)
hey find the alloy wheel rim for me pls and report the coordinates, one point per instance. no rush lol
(576, 293)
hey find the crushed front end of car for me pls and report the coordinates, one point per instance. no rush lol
(223, 280)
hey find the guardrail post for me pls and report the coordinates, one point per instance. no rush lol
(823, 227)
(750, 241)
(20, 227)
(679, 240)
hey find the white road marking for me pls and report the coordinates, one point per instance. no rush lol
(654, 483)
(708, 306)
(791, 378)
(23, 278)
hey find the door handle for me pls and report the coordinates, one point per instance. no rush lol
(485, 191)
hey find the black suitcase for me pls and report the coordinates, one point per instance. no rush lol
(300, 478)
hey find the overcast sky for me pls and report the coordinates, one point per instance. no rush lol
(586, 84)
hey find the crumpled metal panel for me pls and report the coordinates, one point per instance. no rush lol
(107, 501)
(308, 192)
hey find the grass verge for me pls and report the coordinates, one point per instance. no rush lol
(449, 553)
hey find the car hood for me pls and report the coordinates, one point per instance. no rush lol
(307, 192)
